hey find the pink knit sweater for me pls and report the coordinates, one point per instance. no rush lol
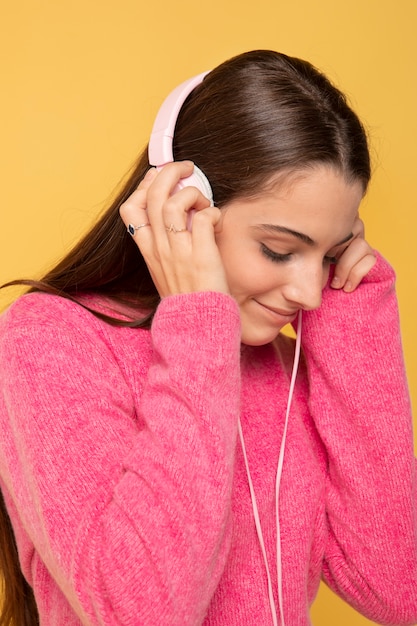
(125, 482)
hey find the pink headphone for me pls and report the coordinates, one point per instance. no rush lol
(160, 142)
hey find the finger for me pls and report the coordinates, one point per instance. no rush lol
(180, 208)
(358, 272)
(192, 251)
(358, 228)
(353, 265)
(163, 188)
(206, 258)
(133, 210)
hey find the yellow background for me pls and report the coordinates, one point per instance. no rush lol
(82, 80)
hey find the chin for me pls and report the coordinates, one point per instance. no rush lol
(255, 339)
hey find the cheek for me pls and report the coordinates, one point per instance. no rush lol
(237, 266)
(247, 271)
(251, 277)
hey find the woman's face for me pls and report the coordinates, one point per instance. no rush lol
(277, 249)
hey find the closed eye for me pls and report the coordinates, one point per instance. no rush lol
(276, 257)
(279, 257)
(331, 260)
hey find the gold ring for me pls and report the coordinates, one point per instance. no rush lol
(171, 229)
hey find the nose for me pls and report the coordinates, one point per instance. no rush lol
(305, 288)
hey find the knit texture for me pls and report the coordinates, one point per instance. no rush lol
(126, 485)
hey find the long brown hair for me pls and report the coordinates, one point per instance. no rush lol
(253, 116)
(19, 607)
(256, 114)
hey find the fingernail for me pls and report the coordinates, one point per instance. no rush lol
(348, 286)
(335, 282)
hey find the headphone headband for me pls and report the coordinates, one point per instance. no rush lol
(160, 143)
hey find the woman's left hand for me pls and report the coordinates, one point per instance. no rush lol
(355, 262)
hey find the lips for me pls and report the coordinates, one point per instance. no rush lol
(281, 315)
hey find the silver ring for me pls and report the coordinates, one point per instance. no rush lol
(131, 228)
(171, 229)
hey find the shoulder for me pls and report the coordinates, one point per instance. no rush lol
(41, 306)
(40, 321)
(49, 341)
(35, 312)
(47, 309)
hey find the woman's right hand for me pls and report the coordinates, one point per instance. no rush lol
(178, 260)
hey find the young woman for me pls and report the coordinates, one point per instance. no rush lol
(158, 463)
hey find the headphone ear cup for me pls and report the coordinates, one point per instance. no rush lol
(198, 179)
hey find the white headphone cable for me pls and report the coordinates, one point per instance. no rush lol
(281, 464)
(277, 485)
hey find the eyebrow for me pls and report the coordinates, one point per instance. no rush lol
(275, 228)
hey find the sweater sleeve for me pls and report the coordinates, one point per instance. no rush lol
(127, 502)
(360, 403)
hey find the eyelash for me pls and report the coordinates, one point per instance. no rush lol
(332, 260)
(276, 257)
